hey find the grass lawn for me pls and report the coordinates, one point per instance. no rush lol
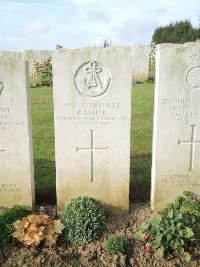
(141, 132)
(43, 144)
(43, 139)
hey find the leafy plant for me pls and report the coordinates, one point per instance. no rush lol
(116, 243)
(175, 230)
(43, 72)
(84, 220)
(7, 218)
(33, 229)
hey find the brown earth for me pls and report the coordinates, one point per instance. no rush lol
(92, 254)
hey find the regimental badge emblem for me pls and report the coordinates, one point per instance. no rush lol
(92, 79)
(191, 75)
(1, 88)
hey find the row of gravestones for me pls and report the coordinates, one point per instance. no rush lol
(139, 53)
(92, 112)
(31, 56)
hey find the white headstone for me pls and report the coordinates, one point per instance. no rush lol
(168, 46)
(11, 54)
(92, 101)
(16, 163)
(189, 44)
(176, 136)
(46, 54)
(140, 62)
(7, 54)
(33, 56)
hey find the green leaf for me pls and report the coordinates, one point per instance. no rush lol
(179, 225)
(181, 242)
(154, 244)
(178, 215)
(151, 223)
(138, 236)
(197, 213)
(161, 251)
(171, 213)
(145, 226)
(186, 256)
(179, 250)
(190, 194)
(177, 202)
(174, 243)
(181, 233)
(188, 232)
(190, 206)
(169, 236)
(158, 237)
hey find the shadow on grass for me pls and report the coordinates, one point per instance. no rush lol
(140, 177)
(45, 182)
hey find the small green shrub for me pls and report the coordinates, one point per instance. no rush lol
(33, 85)
(43, 72)
(84, 220)
(176, 230)
(116, 243)
(7, 218)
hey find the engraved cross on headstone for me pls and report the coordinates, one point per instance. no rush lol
(192, 142)
(92, 150)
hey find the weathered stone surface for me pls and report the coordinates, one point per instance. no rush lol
(168, 46)
(140, 62)
(16, 163)
(33, 56)
(140, 55)
(92, 101)
(7, 54)
(176, 136)
(11, 54)
(189, 44)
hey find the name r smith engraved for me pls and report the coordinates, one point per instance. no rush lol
(87, 109)
(92, 113)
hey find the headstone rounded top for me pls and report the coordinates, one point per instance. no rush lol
(92, 79)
